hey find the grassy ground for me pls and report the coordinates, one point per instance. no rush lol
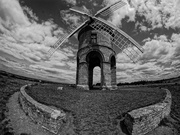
(70, 98)
(10, 85)
(96, 112)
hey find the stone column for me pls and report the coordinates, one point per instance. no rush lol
(106, 76)
(90, 77)
(82, 79)
(113, 78)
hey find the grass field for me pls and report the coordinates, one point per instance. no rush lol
(71, 99)
(96, 102)
(96, 111)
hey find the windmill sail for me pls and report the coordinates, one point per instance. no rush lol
(111, 8)
(80, 10)
(63, 39)
(119, 38)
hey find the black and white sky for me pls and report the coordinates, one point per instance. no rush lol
(29, 27)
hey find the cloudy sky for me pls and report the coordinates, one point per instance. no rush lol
(29, 27)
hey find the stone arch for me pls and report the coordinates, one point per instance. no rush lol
(94, 58)
(113, 61)
(98, 51)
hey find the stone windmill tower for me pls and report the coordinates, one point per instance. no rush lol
(94, 50)
(97, 40)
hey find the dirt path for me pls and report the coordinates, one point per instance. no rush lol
(19, 122)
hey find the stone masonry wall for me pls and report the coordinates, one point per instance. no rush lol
(83, 74)
(49, 118)
(144, 120)
(137, 122)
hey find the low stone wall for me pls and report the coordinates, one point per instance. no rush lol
(144, 120)
(137, 122)
(50, 118)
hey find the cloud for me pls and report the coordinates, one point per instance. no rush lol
(70, 19)
(159, 50)
(176, 39)
(159, 60)
(24, 38)
(29, 13)
(73, 2)
(11, 14)
(121, 13)
(165, 13)
(159, 14)
(96, 75)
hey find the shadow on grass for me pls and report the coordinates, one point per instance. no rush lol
(124, 128)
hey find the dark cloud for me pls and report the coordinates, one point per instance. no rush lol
(142, 69)
(51, 71)
(122, 78)
(149, 72)
(164, 64)
(177, 52)
(34, 59)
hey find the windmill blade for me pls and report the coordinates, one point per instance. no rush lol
(128, 45)
(119, 38)
(80, 10)
(110, 9)
(61, 40)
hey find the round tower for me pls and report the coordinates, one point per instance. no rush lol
(95, 50)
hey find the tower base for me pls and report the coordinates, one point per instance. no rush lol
(114, 87)
(85, 87)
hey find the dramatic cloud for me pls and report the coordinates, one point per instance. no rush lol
(157, 14)
(24, 38)
(70, 19)
(26, 35)
(160, 52)
(121, 13)
(73, 2)
(160, 55)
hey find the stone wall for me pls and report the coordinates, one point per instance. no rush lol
(137, 122)
(85, 39)
(49, 118)
(83, 74)
(144, 120)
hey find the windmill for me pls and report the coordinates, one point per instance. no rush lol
(118, 37)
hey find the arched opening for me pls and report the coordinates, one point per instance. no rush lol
(113, 61)
(94, 59)
(113, 70)
(96, 77)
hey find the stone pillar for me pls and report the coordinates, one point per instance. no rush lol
(106, 76)
(82, 79)
(113, 78)
(90, 77)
